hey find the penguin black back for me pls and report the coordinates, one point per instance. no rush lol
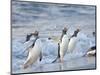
(93, 48)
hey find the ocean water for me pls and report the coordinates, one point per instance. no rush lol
(49, 19)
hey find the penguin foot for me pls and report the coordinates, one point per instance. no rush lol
(61, 61)
(24, 66)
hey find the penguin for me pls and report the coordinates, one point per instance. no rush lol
(63, 45)
(73, 41)
(91, 51)
(34, 51)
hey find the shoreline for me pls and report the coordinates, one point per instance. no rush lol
(86, 63)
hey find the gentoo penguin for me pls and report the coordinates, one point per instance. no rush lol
(91, 51)
(73, 41)
(34, 52)
(63, 45)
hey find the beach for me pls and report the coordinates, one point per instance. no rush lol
(75, 64)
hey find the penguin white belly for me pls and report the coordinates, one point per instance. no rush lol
(64, 45)
(72, 44)
(91, 52)
(34, 54)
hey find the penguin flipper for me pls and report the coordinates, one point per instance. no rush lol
(58, 53)
(28, 37)
(40, 56)
(58, 50)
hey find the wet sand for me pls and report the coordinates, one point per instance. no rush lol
(81, 63)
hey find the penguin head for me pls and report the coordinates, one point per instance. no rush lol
(64, 30)
(35, 34)
(76, 32)
(49, 38)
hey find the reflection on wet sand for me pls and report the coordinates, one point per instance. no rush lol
(75, 64)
